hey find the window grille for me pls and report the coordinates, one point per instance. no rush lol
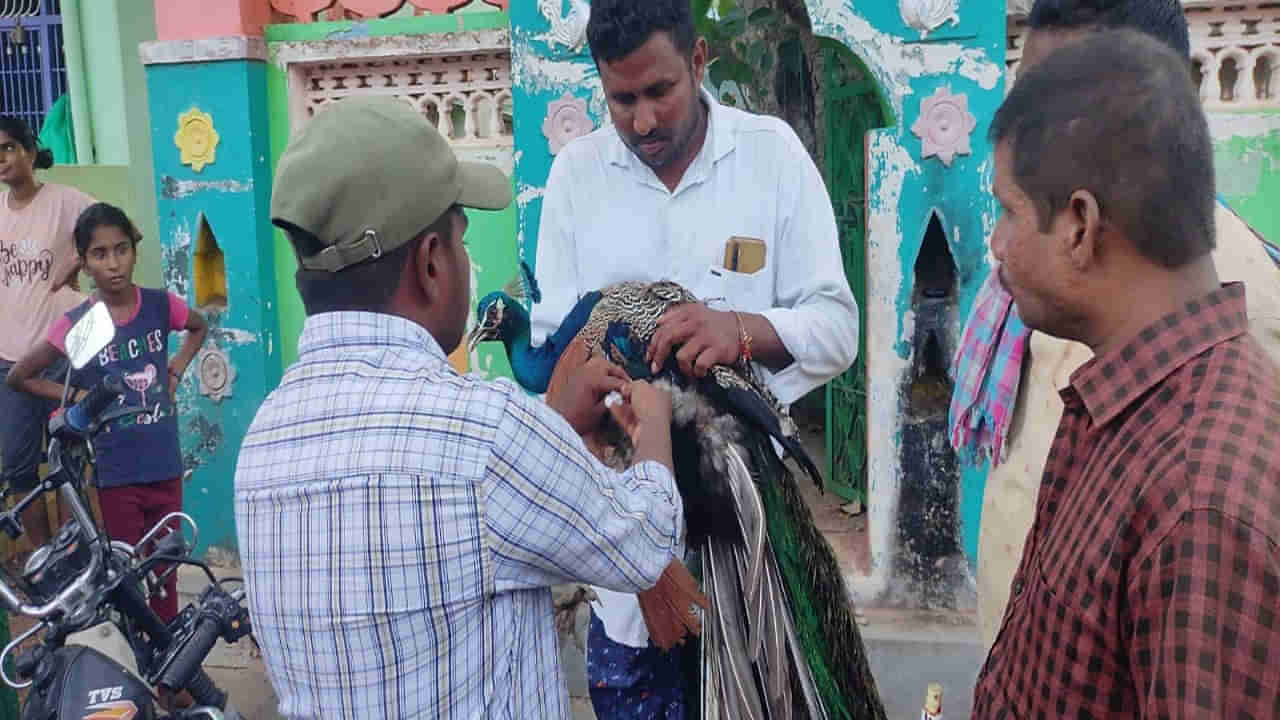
(466, 96)
(33, 67)
(1235, 52)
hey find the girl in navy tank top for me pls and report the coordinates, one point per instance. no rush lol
(138, 468)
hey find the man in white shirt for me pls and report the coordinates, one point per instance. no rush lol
(726, 203)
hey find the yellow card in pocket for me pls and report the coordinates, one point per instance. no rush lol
(744, 255)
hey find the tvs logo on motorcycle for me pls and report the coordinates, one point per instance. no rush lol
(106, 694)
(107, 705)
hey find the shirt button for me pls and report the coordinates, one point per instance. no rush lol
(1018, 585)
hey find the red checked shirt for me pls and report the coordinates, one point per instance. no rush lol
(1150, 581)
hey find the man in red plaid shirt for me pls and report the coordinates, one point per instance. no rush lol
(1149, 585)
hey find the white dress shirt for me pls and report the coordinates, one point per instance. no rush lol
(606, 218)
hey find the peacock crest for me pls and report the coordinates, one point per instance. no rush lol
(523, 286)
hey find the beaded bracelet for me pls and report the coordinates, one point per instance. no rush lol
(744, 339)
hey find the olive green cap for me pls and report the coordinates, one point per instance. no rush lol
(367, 175)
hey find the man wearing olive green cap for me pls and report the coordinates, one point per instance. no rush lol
(400, 525)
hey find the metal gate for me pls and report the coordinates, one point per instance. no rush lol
(854, 106)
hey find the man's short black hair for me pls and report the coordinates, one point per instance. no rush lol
(1118, 115)
(366, 287)
(617, 27)
(1161, 19)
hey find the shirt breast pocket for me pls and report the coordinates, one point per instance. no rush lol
(744, 292)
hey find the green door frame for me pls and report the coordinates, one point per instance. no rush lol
(854, 105)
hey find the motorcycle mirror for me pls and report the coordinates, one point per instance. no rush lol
(91, 333)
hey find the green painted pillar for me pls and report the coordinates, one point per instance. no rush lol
(73, 50)
(210, 141)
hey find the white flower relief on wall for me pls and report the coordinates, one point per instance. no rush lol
(929, 15)
(1019, 7)
(567, 28)
(567, 118)
(944, 125)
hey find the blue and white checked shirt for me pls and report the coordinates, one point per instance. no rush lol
(400, 526)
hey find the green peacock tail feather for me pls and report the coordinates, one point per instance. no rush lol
(824, 620)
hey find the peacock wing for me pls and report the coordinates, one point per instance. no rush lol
(740, 396)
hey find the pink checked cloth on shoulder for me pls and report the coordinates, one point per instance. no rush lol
(986, 369)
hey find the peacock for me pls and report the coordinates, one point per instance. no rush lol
(779, 639)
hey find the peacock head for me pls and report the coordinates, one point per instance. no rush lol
(496, 319)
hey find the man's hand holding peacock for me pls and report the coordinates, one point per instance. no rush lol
(702, 338)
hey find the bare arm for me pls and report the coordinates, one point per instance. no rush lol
(25, 376)
(197, 330)
(70, 278)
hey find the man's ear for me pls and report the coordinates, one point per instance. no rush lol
(1083, 230)
(698, 60)
(428, 265)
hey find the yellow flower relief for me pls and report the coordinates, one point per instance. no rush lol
(196, 138)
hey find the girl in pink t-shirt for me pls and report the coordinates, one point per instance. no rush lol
(37, 259)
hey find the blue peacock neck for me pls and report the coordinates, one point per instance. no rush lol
(530, 365)
(533, 366)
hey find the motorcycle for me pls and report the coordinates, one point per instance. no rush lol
(90, 594)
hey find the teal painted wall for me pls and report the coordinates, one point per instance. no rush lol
(1246, 155)
(491, 235)
(543, 71)
(904, 191)
(233, 195)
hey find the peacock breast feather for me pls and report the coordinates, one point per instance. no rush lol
(637, 303)
(640, 305)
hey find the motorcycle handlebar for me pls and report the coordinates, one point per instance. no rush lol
(205, 692)
(81, 415)
(186, 663)
(78, 418)
(16, 604)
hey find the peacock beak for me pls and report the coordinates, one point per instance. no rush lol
(484, 330)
